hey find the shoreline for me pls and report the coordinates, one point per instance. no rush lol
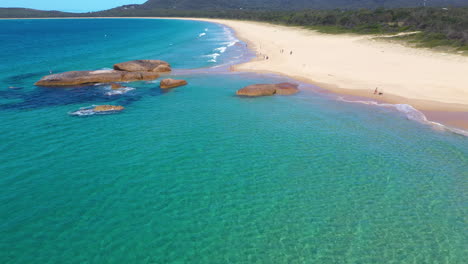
(346, 66)
(447, 113)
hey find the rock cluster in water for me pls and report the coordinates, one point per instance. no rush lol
(268, 89)
(171, 83)
(139, 70)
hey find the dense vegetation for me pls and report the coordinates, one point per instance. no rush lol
(292, 4)
(26, 13)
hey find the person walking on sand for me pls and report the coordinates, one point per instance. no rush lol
(376, 90)
(290, 53)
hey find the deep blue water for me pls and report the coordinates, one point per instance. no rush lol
(198, 175)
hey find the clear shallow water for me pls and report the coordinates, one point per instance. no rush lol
(198, 175)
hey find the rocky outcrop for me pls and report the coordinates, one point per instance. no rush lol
(257, 90)
(286, 88)
(171, 83)
(143, 66)
(89, 77)
(108, 108)
(268, 89)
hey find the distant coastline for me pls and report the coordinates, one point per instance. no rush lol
(356, 65)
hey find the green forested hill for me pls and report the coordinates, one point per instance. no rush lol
(293, 4)
(25, 12)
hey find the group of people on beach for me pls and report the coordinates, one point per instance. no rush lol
(282, 51)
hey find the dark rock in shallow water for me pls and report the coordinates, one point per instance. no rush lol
(171, 83)
(143, 66)
(268, 89)
(116, 86)
(88, 77)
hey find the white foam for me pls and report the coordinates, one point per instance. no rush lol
(411, 113)
(201, 35)
(221, 49)
(232, 43)
(119, 91)
(83, 112)
(212, 57)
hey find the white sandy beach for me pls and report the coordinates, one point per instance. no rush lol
(356, 64)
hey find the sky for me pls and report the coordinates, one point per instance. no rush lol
(68, 5)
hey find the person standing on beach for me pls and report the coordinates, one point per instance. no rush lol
(290, 53)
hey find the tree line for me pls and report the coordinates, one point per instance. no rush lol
(438, 26)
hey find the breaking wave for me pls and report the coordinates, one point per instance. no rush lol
(220, 49)
(212, 57)
(119, 91)
(412, 114)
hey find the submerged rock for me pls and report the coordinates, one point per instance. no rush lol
(268, 89)
(171, 83)
(89, 77)
(115, 86)
(257, 90)
(143, 66)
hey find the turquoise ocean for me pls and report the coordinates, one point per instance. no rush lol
(198, 175)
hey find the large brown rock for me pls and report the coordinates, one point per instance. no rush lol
(89, 77)
(107, 108)
(143, 66)
(257, 90)
(268, 89)
(171, 83)
(286, 88)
